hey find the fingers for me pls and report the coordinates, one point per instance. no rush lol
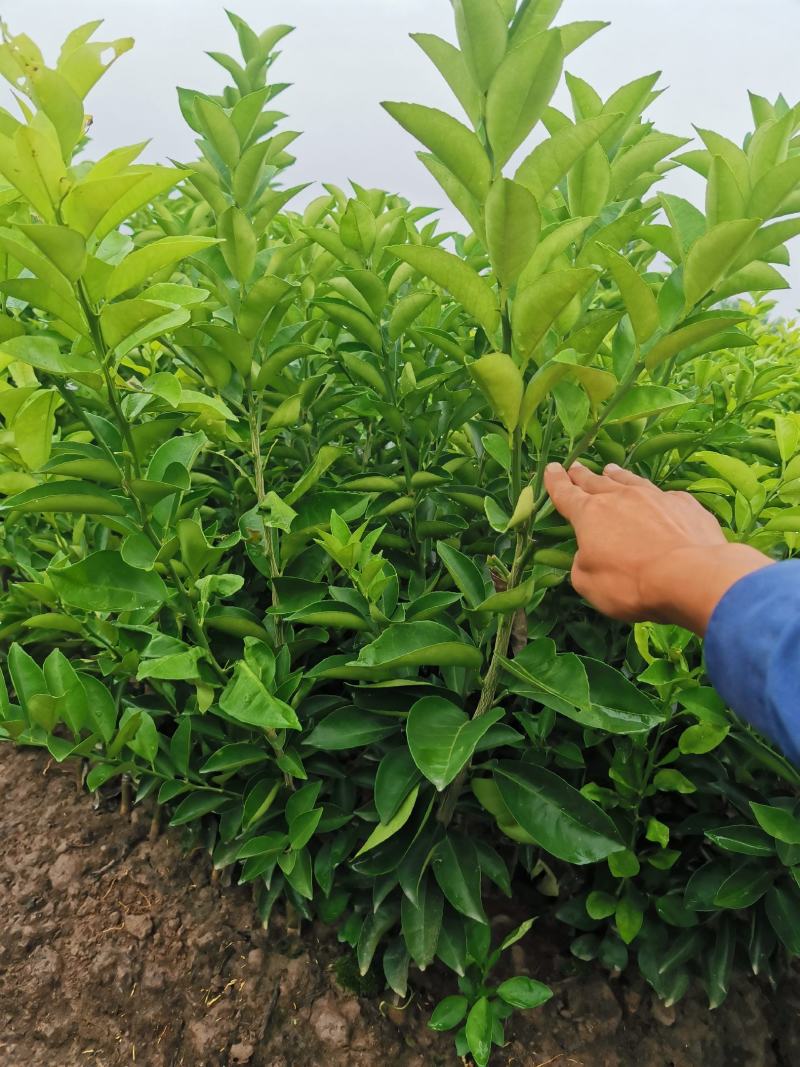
(589, 482)
(618, 474)
(567, 497)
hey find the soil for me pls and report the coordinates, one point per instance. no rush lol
(117, 951)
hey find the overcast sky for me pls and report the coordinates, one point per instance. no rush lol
(347, 55)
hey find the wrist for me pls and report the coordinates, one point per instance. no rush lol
(686, 584)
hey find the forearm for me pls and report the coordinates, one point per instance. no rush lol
(686, 585)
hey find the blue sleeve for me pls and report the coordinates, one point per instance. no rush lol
(752, 653)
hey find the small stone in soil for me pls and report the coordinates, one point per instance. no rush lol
(139, 926)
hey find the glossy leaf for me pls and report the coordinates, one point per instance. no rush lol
(442, 738)
(555, 814)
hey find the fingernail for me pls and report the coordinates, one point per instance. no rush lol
(613, 467)
(576, 463)
(553, 467)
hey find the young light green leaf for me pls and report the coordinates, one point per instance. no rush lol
(383, 831)
(520, 91)
(513, 224)
(138, 266)
(552, 160)
(456, 146)
(710, 257)
(482, 33)
(452, 65)
(457, 277)
(537, 308)
(500, 379)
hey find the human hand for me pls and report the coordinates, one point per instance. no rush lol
(646, 554)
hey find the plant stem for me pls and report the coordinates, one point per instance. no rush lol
(524, 548)
(134, 467)
(490, 680)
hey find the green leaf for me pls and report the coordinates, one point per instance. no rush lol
(557, 681)
(600, 905)
(636, 294)
(457, 277)
(672, 781)
(537, 307)
(735, 471)
(239, 245)
(33, 427)
(348, 728)
(700, 329)
(233, 757)
(783, 911)
(452, 65)
(464, 572)
(180, 666)
(513, 224)
(442, 738)
(103, 581)
(138, 266)
(383, 831)
(629, 918)
(520, 91)
(555, 814)
(619, 706)
(63, 247)
(450, 141)
(551, 161)
(129, 323)
(376, 925)
(421, 924)
(589, 182)
(217, 128)
(702, 738)
(772, 191)
(500, 379)
(456, 869)
(482, 30)
(247, 699)
(395, 967)
(448, 1013)
(65, 496)
(779, 823)
(624, 864)
(396, 777)
(711, 256)
(95, 206)
(524, 992)
(479, 1029)
(644, 401)
(509, 600)
(744, 887)
(416, 644)
(746, 840)
(199, 803)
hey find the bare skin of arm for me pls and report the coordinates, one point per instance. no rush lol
(645, 554)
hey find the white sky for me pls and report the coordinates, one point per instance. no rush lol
(347, 55)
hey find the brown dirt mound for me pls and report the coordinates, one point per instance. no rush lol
(115, 951)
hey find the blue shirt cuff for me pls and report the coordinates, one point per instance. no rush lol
(752, 651)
